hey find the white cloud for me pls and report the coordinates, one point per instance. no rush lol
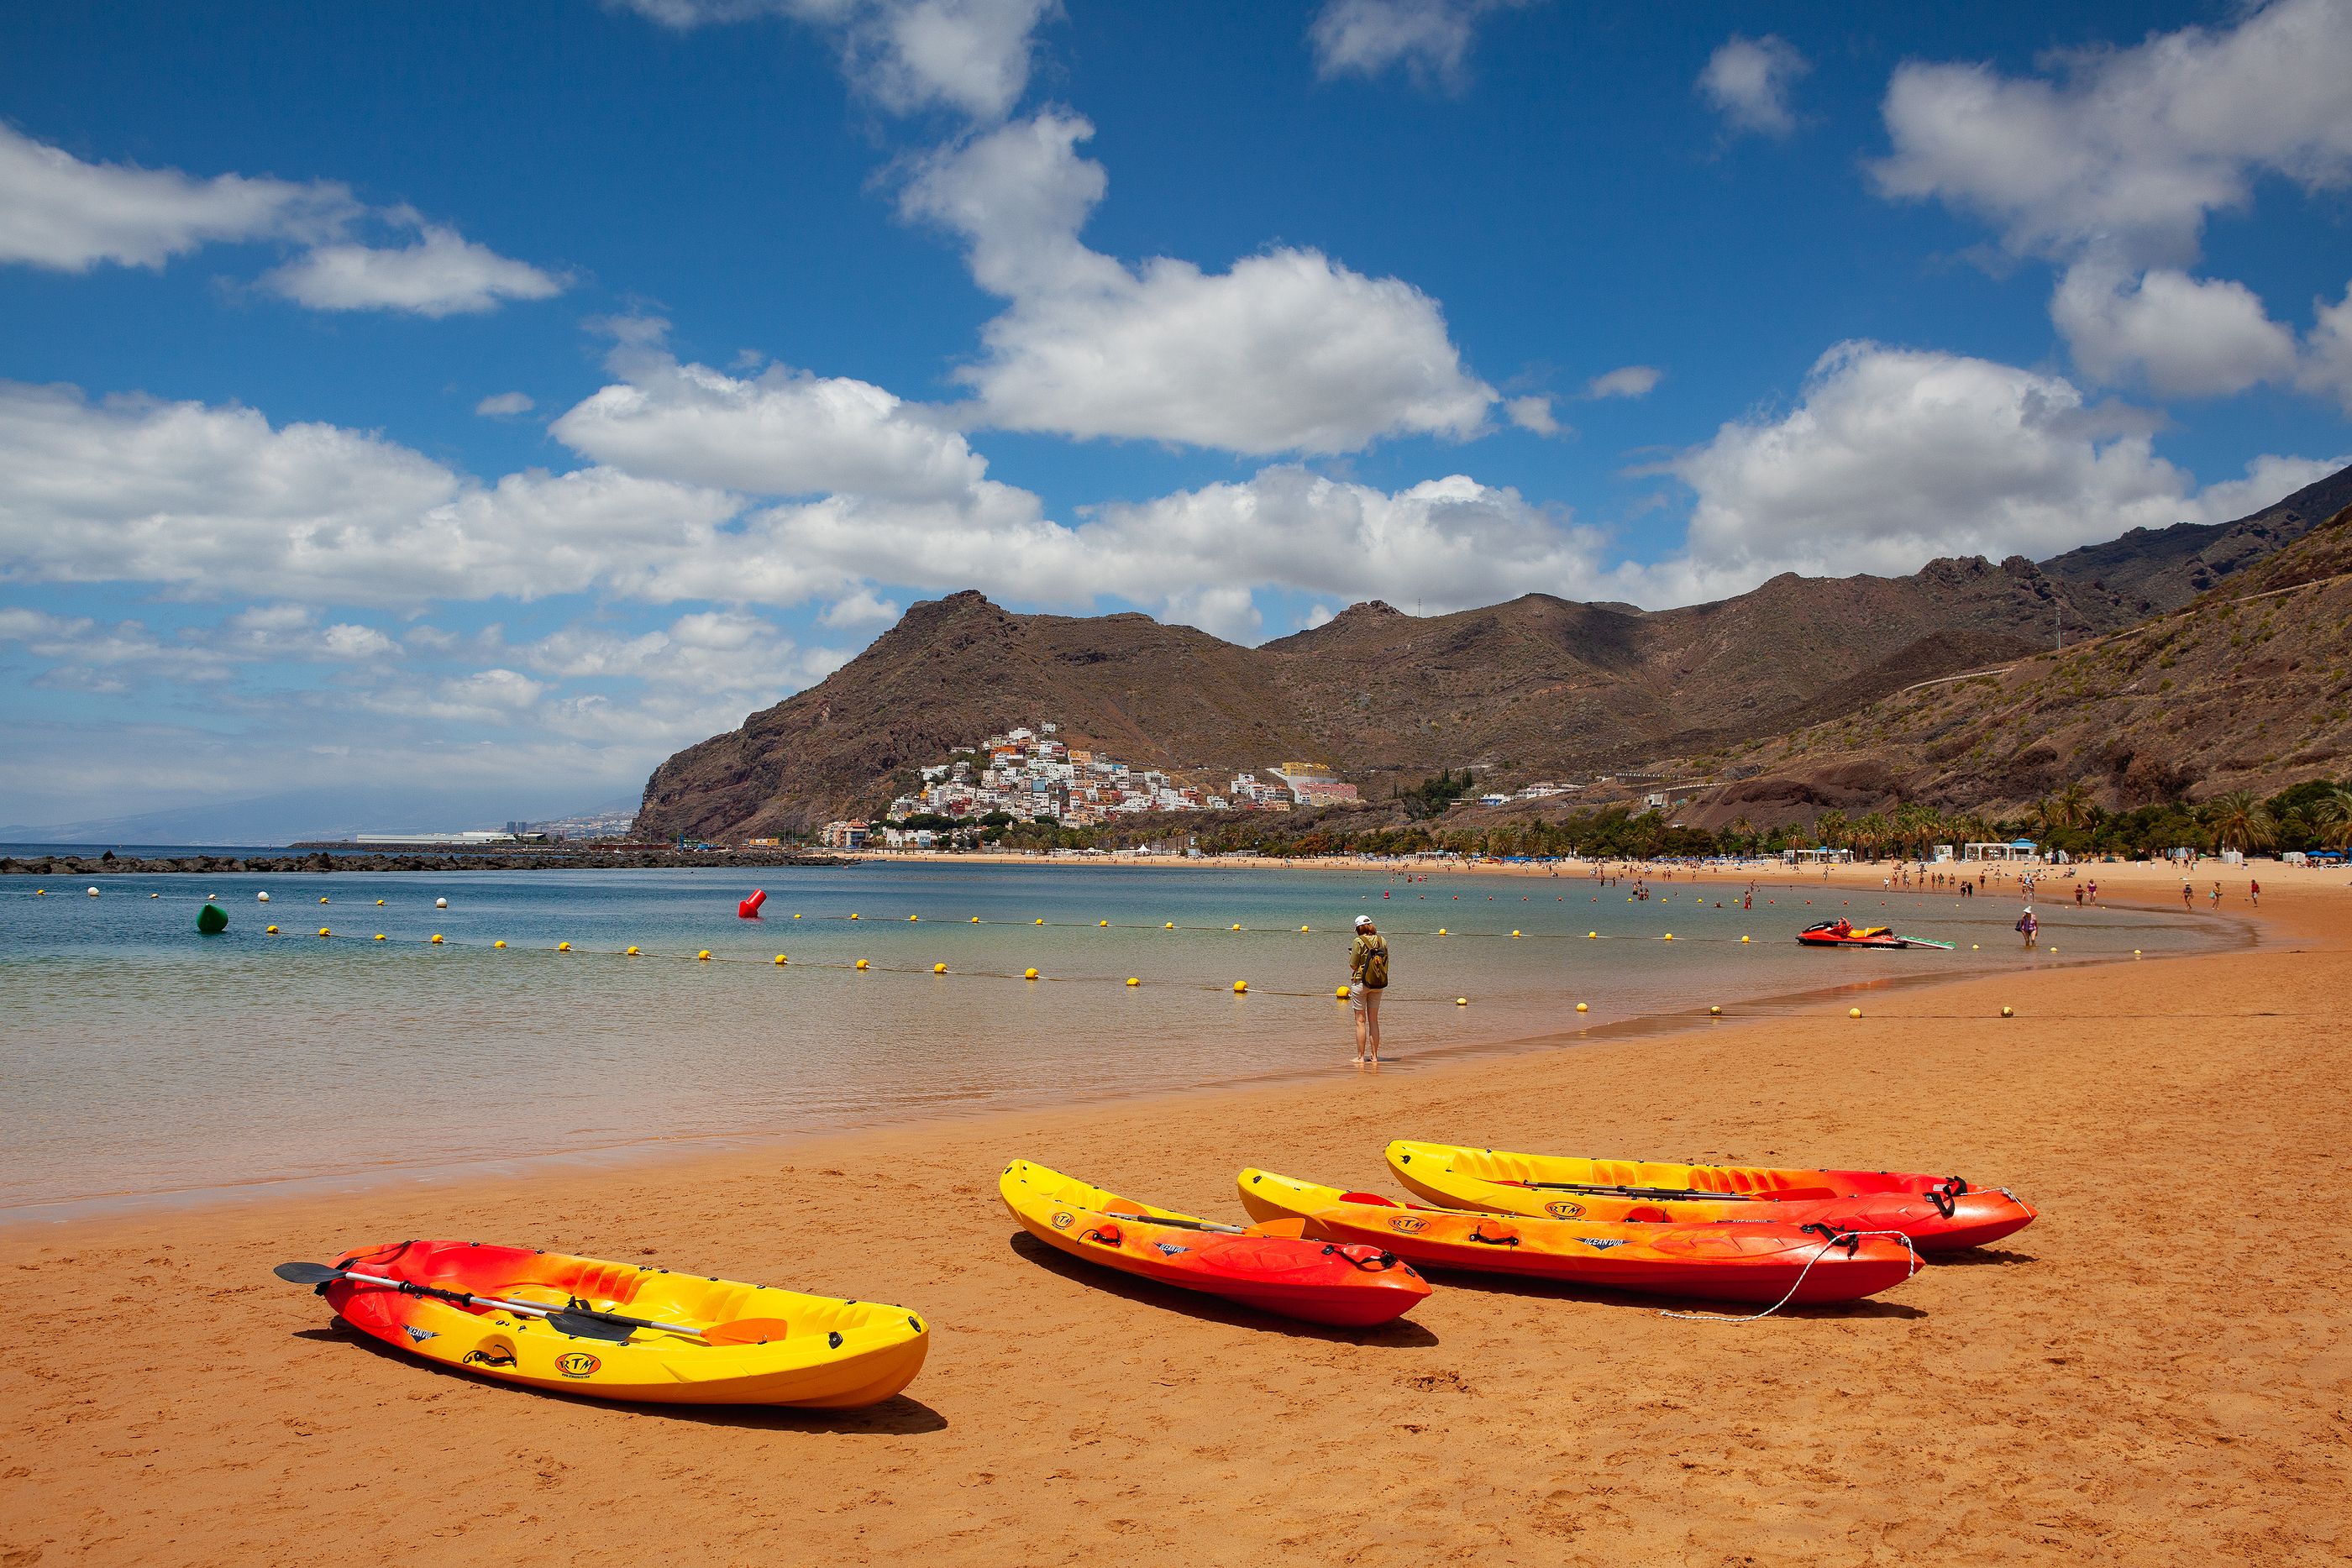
(863, 607)
(211, 501)
(1896, 456)
(1317, 615)
(442, 274)
(782, 433)
(1285, 352)
(1428, 38)
(84, 655)
(2129, 150)
(58, 212)
(2327, 352)
(495, 697)
(1626, 381)
(971, 56)
(2181, 334)
(1532, 413)
(499, 405)
(1747, 81)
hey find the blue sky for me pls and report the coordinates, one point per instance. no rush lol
(482, 402)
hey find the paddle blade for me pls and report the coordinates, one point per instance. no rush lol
(747, 1331)
(580, 1325)
(305, 1273)
(1289, 1228)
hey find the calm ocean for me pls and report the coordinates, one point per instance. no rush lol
(143, 1061)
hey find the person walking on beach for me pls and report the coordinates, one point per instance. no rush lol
(2254, 891)
(1368, 976)
(2026, 927)
(2188, 895)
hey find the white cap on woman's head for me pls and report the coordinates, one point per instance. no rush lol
(1362, 921)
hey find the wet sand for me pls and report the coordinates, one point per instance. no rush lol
(2158, 1371)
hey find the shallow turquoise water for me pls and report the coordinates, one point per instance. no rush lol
(142, 1059)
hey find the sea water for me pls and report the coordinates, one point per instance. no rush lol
(141, 1060)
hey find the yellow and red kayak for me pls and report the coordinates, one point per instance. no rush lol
(1712, 1261)
(1939, 1213)
(1275, 1269)
(811, 1350)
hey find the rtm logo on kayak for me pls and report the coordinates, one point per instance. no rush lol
(1062, 1221)
(1411, 1224)
(578, 1363)
(1563, 1209)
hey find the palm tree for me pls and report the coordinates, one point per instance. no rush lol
(1870, 834)
(2332, 815)
(2073, 805)
(1833, 829)
(2238, 820)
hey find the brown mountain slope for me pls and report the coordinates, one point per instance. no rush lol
(2249, 687)
(2164, 569)
(1535, 687)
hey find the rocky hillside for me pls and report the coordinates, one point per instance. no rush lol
(2156, 570)
(2248, 687)
(1533, 688)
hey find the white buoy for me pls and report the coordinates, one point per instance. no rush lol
(262, 896)
(440, 904)
(93, 892)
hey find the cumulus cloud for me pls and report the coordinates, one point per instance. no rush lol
(1747, 81)
(1894, 457)
(1288, 351)
(782, 433)
(2326, 367)
(85, 654)
(1428, 38)
(1626, 381)
(1532, 413)
(2183, 335)
(969, 56)
(214, 500)
(59, 212)
(500, 405)
(441, 273)
(2130, 149)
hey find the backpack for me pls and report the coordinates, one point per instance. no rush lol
(1376, 965)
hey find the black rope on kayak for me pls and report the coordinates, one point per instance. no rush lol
(1479, 1234)
(1108, 1237)
(1369, 1259)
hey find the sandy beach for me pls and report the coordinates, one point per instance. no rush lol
(2157, 1372)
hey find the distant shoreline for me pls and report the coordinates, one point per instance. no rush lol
(323, 863)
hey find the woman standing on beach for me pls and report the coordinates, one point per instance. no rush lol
(2027, 926)
(1368, 976)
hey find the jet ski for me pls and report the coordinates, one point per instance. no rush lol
(1846, 933)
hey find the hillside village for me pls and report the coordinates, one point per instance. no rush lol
(1031, 774)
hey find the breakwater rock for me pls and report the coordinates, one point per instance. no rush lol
(323, 862)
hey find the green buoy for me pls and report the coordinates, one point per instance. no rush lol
(212, 919)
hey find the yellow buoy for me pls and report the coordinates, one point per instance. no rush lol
(1441, 930)
(703, 956)
(2008, 1012)
(437, 936)
(1592, 937)
(1241, 985)
(1133, 981)
(273, 931)
(1170, 927)
(1854, 1012)
(40, 893)
(560, 946)
(1582, 1008)
(630, 952)
(780, 958)
(497, 944)
(379, 903)
(1973, 947)
(1342, 993)
(324, 932)
(1743, 938)
(1237, 928)
(1028, 974)
(1462, 1001)
(976, 920)
(322, 900)
(1102, 922)
(938, 968)
(861, 962)
(379, 936)
(1302, 929)
(2134, 952)
(852, 914)
(796, 917)
(1515, 933)
(1714, 1012)
(1670, 936)
(914, 917)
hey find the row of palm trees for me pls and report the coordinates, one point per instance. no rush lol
(2071, 818)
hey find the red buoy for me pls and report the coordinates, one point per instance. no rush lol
(750, 908)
